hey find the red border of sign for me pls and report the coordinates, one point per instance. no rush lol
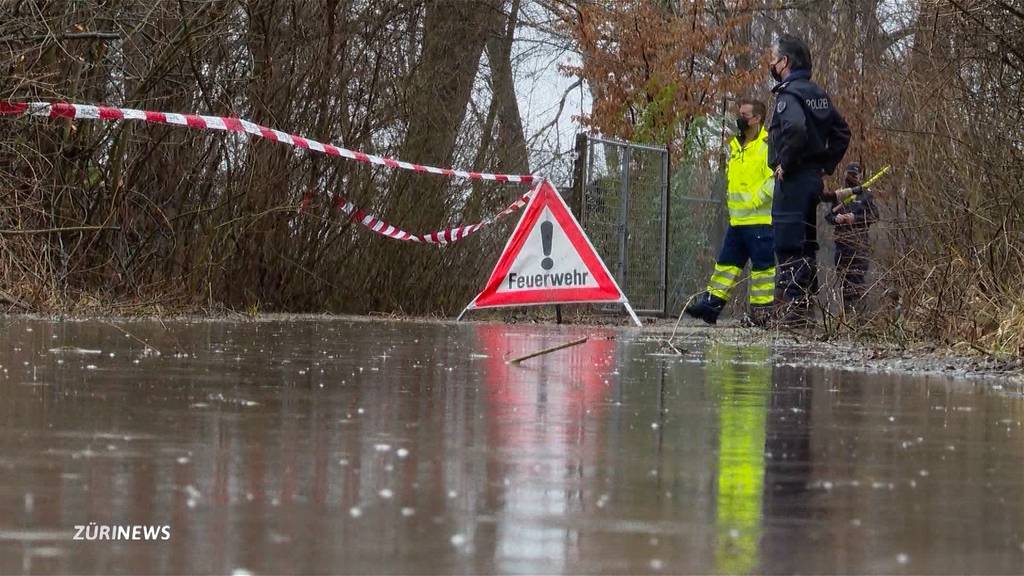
(605, 291)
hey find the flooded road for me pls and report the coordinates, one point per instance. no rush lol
(413, 448)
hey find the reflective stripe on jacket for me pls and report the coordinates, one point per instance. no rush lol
(750, 182)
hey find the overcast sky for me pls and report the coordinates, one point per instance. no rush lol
(540, 86)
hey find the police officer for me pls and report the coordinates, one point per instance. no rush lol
(807, 137)
(852, 244)
(749, 237)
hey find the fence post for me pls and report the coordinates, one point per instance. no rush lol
(624, 215)
(666, 195)
(579, 176)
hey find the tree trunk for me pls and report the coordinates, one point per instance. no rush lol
(506, 153)
(455, 32)
(512, 154)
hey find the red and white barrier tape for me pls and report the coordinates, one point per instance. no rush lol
(222, 123)
(440, 237)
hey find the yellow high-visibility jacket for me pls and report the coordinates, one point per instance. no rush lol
(750, 182)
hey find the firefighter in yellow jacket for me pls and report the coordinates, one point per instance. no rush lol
(750, 185)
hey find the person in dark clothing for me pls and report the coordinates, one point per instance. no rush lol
(807, 138)
(852, 244)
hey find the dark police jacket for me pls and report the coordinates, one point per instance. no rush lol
(806, 131)
(854, 237)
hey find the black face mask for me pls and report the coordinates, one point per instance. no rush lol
(775, 74)
(742, 123)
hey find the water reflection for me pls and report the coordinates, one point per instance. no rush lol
(789, 462)
(742, 379)
(541, 432)
(414, 448)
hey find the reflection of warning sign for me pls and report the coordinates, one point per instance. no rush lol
(548, 260)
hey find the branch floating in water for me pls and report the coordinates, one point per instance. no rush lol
(548, 350)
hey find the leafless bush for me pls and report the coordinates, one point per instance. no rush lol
(130, 216)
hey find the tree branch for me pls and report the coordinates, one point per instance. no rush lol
(68, 36)
(558, 115)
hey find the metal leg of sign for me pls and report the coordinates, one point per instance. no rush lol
(461, 314)
(632, 314)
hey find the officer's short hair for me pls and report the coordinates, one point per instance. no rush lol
(757, 105)
(796, 50)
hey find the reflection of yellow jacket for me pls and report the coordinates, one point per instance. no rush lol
(750, 182)
(742, 378)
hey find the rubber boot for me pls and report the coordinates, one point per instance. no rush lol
(706, 308)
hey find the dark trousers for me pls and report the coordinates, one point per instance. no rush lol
(794, 217)
(754, 243)
(742, 243)
(852, 269)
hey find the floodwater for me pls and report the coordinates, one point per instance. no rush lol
(316, 446)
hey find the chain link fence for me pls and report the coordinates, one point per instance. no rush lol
(697, 224)
(657, 227)
(625, 214)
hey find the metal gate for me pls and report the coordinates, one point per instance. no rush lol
(624, 211)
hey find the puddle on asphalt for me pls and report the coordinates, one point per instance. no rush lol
(366, 447)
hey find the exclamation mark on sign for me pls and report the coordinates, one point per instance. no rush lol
(546, 228)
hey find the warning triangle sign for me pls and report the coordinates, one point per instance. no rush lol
(548, 260)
